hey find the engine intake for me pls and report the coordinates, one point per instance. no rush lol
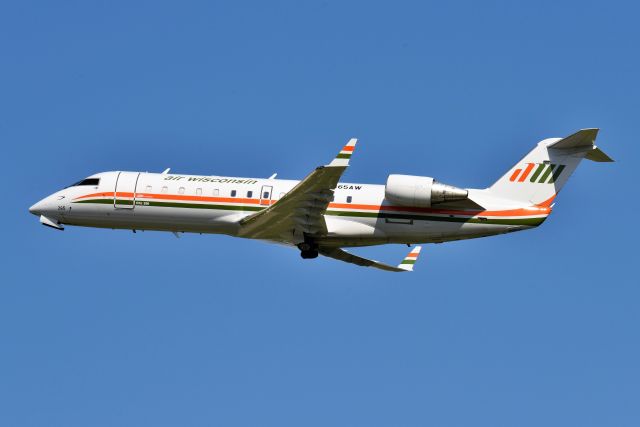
(422, 191)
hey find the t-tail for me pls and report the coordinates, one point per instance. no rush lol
(539, 176)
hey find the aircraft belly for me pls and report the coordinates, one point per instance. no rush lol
(361, 227)
(372, 231)
(156, 218)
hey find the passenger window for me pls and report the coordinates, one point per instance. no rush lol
(198, 191)
(265, 195)
(164, 189)
(216, 192)
(148, 190)
(249, 194)
(181, 190)
(233, 193)
(349, 199)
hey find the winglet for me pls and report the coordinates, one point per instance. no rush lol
(342, 159)
(410, 259)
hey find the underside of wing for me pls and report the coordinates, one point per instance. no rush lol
(342, 255)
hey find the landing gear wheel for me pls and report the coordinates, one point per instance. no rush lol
(305, 247)
(310, 254)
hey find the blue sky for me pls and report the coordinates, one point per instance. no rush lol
(102, 328)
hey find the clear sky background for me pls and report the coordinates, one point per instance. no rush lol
(108, 328)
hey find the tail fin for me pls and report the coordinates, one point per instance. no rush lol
(540, 175)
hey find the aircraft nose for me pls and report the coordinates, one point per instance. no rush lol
(39, 208)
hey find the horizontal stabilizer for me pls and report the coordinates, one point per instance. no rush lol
(582, 138)
(580, 142)
(597, 155)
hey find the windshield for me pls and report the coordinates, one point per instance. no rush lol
(88, 181)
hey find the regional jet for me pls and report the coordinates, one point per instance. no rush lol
(320, 215)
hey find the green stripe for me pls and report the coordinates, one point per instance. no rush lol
(203, 206)
(408, 261)
(100, 201)
(556, 174)
(493, 221)
(180, 205)
(546, 174)
(472, 220)
(537, 172)
(343, 156)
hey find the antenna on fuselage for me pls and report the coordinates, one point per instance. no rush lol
(273, 176)
(166, 171)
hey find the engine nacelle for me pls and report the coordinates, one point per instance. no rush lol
(423, 191)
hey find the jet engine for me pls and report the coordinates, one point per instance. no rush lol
(423, 191)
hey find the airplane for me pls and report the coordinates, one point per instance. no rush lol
(320, 214)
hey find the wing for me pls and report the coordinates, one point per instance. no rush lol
(302, 208)
(405, 265)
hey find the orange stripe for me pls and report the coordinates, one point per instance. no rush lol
(547, 203)
(413, 255)
(540, 209)
(534, 210)
(515, 174)
(526, 172)
(94, 195)
(175, 197)
(348, 148)
(197, 198)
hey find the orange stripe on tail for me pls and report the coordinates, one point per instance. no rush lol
(526, 172)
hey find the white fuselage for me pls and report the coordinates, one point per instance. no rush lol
(359, 214)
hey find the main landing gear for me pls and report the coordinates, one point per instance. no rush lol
(308, 250)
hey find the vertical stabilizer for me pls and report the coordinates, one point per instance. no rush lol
(540, 175)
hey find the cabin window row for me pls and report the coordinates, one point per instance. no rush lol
(215, 192)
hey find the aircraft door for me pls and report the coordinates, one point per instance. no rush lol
(265, 195)
(124, 196)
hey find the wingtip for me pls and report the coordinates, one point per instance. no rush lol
(410, 260)
(342, 159)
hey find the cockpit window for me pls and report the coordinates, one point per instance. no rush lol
(89, 181)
